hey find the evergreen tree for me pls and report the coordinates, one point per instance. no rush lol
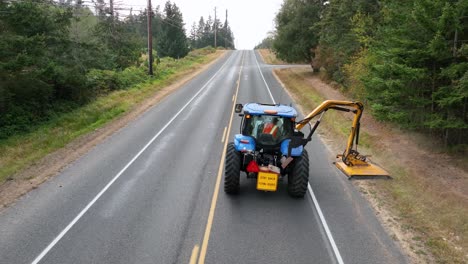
(226, 35)
(173, 41)
(119, 41)
(418, 73)
(208, 33)
(338, 41)
(296, 29)
(193, 38)
(267, 43)
(33, 58)
(200, 33)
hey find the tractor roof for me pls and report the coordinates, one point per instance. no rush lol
(266, 109)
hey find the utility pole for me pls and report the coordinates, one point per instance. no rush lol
(150, 40)
(216, 28)
(225, 30)
(111, 7)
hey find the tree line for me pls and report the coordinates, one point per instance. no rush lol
(203, 33)
(407, 59)
(55, 56)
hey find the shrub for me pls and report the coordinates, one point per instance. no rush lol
(102, 81)
(131, 76)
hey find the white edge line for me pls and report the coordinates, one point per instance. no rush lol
(73, 222)
(268, 88)
(325, 226)
(311, 193)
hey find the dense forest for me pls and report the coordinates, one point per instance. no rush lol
(58, 55)
(408, 60)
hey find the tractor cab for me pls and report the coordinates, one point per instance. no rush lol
(268, 130)
(265, 126)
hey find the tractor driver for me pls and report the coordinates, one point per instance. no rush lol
(271, 128)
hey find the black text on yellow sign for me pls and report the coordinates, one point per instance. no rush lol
(267, 181)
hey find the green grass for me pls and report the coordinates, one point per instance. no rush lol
(438, 217)
(21, 151)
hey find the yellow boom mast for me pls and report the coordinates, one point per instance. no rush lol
(351, 163)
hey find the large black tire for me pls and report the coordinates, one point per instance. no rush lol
(298, 179)
(232, 170)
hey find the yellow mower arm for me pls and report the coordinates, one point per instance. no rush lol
(352, 163)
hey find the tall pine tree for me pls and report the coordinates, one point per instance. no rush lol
(173, 41)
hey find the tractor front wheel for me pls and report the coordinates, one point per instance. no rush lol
(298, 178)
(232, 170)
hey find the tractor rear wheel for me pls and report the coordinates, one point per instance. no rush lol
(232, 170)
(298, 179)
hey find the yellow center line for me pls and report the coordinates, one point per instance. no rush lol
(224, 135)
(193, 258)
(209, 223)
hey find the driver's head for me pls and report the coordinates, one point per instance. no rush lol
(275, 120)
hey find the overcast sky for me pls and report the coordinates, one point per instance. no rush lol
(250, 20)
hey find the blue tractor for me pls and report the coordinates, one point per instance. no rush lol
(263, 150)
(270, 146)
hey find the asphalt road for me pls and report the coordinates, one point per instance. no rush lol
(152, 193)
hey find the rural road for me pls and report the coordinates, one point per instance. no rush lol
(149, 193)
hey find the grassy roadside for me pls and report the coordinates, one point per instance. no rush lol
(21, 151)
(269, 57)
(433, 221)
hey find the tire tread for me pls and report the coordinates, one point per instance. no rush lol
(232, 170)
(299, 177)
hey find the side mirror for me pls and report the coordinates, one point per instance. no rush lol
(238, 108)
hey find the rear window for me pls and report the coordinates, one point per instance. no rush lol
(268, 129)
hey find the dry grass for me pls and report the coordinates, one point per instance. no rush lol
(431, 216)
(20, 152)
(270, 58)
